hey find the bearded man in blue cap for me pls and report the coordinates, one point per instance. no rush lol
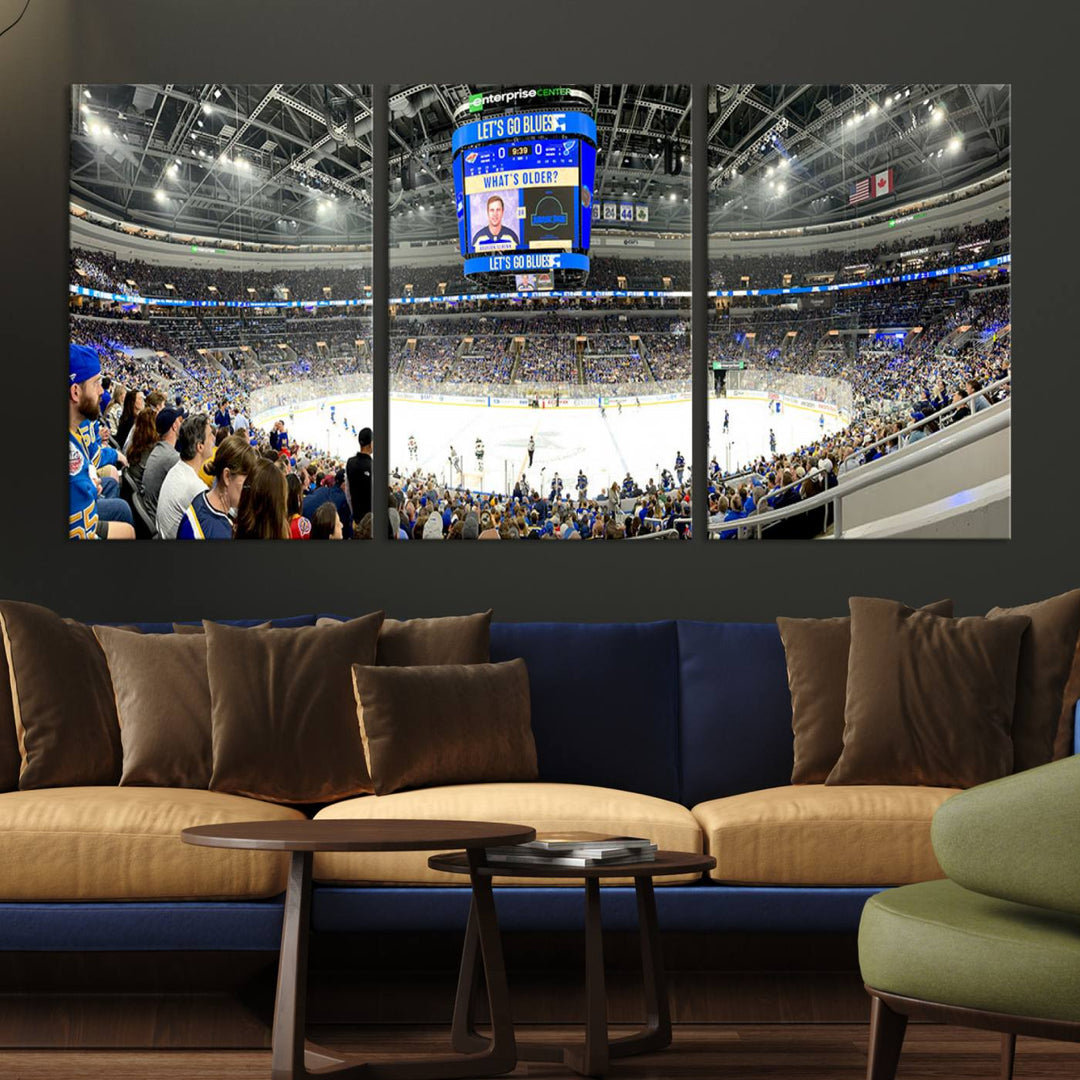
(84, 403)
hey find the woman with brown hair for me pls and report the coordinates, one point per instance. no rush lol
(143, 437)
(262, 514)
(134, 401)
(211, 513)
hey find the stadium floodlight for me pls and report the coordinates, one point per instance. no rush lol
(672, 196)
(781, 188)
(937, 116)
(783, 163)
(85, 109)
(208, 108)
(87, 94)
(769, 171)
(888, 101)
(873, 108)
(955, 143)
(159, 195)
(199, 122)
(217, 94)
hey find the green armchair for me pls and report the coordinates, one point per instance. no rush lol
(997, 944)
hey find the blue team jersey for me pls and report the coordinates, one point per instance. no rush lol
(100, 454)
(202, 522)
(82, 506)
(505, 238)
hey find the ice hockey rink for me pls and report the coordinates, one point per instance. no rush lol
(639, 439)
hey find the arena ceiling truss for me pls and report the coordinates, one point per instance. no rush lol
(274, 163)
(790, 154)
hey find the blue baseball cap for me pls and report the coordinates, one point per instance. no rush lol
(83, 363)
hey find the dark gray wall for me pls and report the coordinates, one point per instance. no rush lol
(64, 41)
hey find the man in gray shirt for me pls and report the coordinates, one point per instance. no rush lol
(162, 457)
(194, 445)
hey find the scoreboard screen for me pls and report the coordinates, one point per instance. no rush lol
(523, 184)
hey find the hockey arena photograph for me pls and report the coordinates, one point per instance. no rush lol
(859, 311)
(540, 366)
(220, 312)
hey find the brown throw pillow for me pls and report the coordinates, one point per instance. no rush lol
(1046, 656)
(163, 702)
(283, 713)
(1065, 738)
(929, 699)
(197, 628)
(448, 724)
(817, 662)
(9, 740)
(455, 639)
(62, 698)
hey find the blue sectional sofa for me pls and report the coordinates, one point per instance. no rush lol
(689, 722)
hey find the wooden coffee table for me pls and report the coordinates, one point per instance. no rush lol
(592, 1058)
(291, 1057)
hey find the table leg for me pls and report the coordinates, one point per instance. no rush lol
(463, 1034)
(294, 1059)
(592, 1059)
(657, 1031)
(290, 1012)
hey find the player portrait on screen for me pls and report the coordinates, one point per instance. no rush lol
(498, 208)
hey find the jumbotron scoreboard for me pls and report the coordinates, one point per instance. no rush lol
(523, 183)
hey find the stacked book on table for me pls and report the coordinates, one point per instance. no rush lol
(575, 849)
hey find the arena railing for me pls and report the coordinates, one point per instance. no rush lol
(951, 441)
(934, 417)
(886, 439)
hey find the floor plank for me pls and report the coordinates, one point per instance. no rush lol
(716, 1052)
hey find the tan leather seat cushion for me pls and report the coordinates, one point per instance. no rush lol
(546, 807)
(810, 834)
(123, 843)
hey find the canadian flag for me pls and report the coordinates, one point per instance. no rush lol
(883, 183)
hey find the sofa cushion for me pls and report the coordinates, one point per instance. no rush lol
(283, 713)
(627, 740)
(817, 664)
(113, 843)
(811, 834)
(10, 761)
(62, 697)
(939, 942)
(477, 731)
(454, 639)
(735, 709)
(929, 699)
(163, 703)
(546, 807)
(1046, 657)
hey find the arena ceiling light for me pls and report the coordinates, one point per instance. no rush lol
(955, 143)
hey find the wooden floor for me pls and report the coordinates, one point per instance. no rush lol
(723, 1052)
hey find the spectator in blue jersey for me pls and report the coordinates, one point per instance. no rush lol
(222, 418)
(211, 513)
(84, 403)
(495, 232)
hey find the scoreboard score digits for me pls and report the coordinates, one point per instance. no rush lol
(523, 184)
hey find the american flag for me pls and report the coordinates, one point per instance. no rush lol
(860, 191)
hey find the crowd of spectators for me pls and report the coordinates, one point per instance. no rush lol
(423, 509)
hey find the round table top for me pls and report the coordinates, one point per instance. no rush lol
(666, 862)
(375, 834)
